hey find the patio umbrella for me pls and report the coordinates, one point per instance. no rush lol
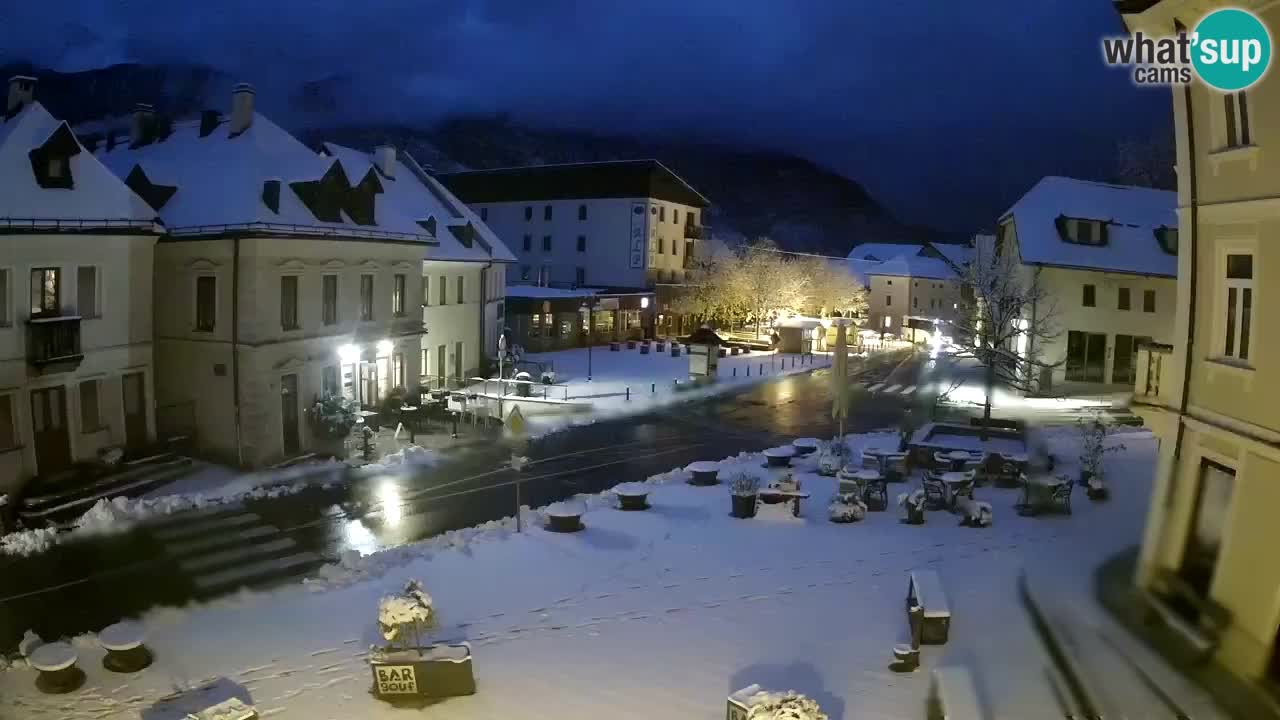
(840, 376)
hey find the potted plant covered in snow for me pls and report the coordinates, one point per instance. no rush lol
(1093, 437)
(332, 418)
(846, 508)
(744, 490)
(407, 670)
(752, 703)
(829, 463)
(912, 505)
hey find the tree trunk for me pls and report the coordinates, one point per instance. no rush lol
(991, 388)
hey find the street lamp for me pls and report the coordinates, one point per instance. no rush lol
(589, 306)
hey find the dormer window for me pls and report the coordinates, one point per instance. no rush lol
(429, 225)
(1081, 231)
(51, 162)
(57, 168)
(1168, 239)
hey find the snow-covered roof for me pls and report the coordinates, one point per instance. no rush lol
(96, 197)
(956, 254)
(860, 269)
(914, 266)
(883, 251)
(547, 293)
(1132, 214)
(412, 193)
(220, 180)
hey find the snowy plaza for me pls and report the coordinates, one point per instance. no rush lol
(666, 610)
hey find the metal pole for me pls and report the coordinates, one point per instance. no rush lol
(519, 524)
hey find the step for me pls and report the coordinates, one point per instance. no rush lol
(242, 552)
(97, 487)
(220, 523)
(258, 570)
(155, 476)
(205, 544)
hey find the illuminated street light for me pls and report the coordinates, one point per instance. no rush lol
(348, 354)
(385, 347)
(644, 303)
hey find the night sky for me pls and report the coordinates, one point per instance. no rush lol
(945, 110)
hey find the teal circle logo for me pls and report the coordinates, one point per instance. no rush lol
(1231, 49)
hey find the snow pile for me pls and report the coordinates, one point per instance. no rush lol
(28, 542)
(409, 456)
(783, 706)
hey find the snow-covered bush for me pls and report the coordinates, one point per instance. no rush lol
(548, 377)
(846, 508)
(333, 416)
(744, 485)
(829, 463)
(1093, 437)
(912, 505)
(784, 706)
(975, 513)
(409, 612)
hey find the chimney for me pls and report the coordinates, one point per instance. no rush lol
(140, 129)
(22, 91)
(241, 108)
(384, 158)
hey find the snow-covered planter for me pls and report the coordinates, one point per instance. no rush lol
(744, 490)
(1093, 437)
(829, 463)
(703, 472)
(912, 505)
(403, 617)
(846, 508)
(331, 419)
(632, 496)
(779, 456)
(548, 377)
(975, 513)
(565, 516)
(782, 706)
(805, 445)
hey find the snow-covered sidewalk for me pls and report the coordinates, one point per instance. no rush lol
(661, 612)
(627, 382)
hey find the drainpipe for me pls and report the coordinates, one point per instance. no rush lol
(235, 344)
(484, 300)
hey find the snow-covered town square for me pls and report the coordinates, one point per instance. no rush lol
(760, 361)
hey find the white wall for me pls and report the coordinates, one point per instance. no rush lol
(115, 342)
(897, 297)
(607, 230)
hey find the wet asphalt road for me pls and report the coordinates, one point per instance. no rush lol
(85, 585)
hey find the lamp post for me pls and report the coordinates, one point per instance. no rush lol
(590, 307)
(502, 383)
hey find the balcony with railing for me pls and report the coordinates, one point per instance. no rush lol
(696, 232)
(53, 343)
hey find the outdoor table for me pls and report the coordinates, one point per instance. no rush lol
(880, 454)
(958, 458)
(125, 651)
(56, 663)
(362, 416)
(805, 445)
(632, 496)
(953, 480)
(779, 456)
(858, 479)
(703, 472)
(1038, 490)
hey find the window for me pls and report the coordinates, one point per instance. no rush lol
(582, 243)
(546, 213)
(662, 246)
(422, 369)
(329, 381)
(57, 168)
(915, 301)
(90, 419)
(206, 303)
(87, 291)
(691, 218)
(8, 428)
(289, 302)
(1239, 306)
(366, 297)
(397, 369)
(1168, 239)
(1090, 296)
(524, 272)
(528, 212)
(1082, 232)
(444, 291)
(582, 212)
(462, 296)
(46, 291)
(397, 295)
(546, 243)
(1149, 301)
(675, 216)
(484, 215)
(5, 315)
(329, 299)
(662, 213)
(888, 301)
(1208, 524)
(1237, 119)
(528, 243)
(580, 276)
(1123, 301)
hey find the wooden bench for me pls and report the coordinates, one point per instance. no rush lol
(1202, 634)
(925, 589)
(952, 695)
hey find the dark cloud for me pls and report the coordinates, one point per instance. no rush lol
(936, 105)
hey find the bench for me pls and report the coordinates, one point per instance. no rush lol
(925, 590)
(952, 695)
(1201, 635)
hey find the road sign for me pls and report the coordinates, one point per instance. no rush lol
(515, 423)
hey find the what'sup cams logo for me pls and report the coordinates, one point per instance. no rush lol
(1228, 49)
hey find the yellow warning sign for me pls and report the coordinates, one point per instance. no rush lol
(515, 423)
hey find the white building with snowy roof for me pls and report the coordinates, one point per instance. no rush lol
(912, 288)
(76, 367)
(289, 274)
(1106, 257)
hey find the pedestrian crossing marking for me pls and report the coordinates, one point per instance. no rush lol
(254, 570)
(893, 388)
(193, 547)
(908, 389)
(224, 557)
(875, 387)
(221, 523)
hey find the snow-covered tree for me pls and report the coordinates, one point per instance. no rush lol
(1007, 314)
(830, 288)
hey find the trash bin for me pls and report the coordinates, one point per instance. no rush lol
(524, 384)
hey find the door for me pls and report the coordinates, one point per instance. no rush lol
(135, 410)
(289, 415)
(49, 428)
(1086, 357)
(457, 361)
(368, 385)
(1125, 364)
(441, 366)
(384, 378)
